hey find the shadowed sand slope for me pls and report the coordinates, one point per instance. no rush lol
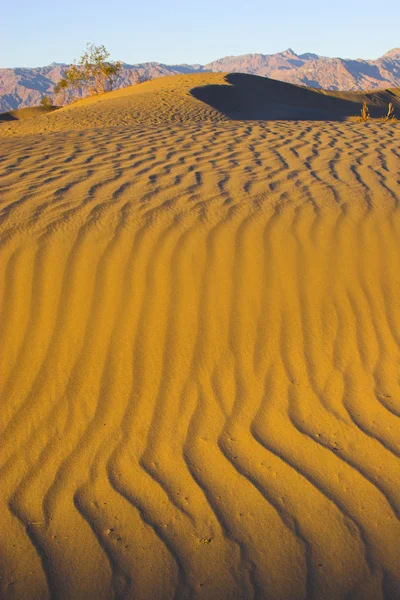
(24, 113)
(200, 333)
(200, 97)
(248, 97)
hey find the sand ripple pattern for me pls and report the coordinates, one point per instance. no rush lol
(200, 333)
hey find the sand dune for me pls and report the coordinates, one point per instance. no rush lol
(201, 97)
(200, 361)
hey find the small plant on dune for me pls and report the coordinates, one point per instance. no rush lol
(99, 73)
(390, 113)
(71, 84)
(46, 103)
(94, 74)
(365, 113)
(61, 90)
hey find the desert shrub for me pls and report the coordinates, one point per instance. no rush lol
(93, 74)
(46, 103)
(365, 113)
(390, 113)
(60, 90)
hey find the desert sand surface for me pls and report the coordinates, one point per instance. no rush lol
(200, 335)
(200, 97)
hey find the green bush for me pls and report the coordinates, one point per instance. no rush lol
(93, 74)
(45, 102)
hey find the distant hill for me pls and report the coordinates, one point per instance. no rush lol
(22, 87)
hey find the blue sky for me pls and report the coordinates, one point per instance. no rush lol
(178, 31)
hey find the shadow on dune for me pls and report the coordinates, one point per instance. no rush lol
(7, 116)
(258, 98)
(22, 114)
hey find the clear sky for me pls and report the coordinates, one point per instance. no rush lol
(38, 32)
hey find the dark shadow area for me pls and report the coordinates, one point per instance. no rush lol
(7, 116)
(249, 97)
(21, 114)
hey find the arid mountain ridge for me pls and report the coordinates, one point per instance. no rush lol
(22, 87)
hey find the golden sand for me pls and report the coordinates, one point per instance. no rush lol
(200, 333)
(199, 97)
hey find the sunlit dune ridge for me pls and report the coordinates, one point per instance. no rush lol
(200, 333)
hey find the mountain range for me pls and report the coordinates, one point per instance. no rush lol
(22, 87)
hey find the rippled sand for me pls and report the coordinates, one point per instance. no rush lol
(200, 333)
